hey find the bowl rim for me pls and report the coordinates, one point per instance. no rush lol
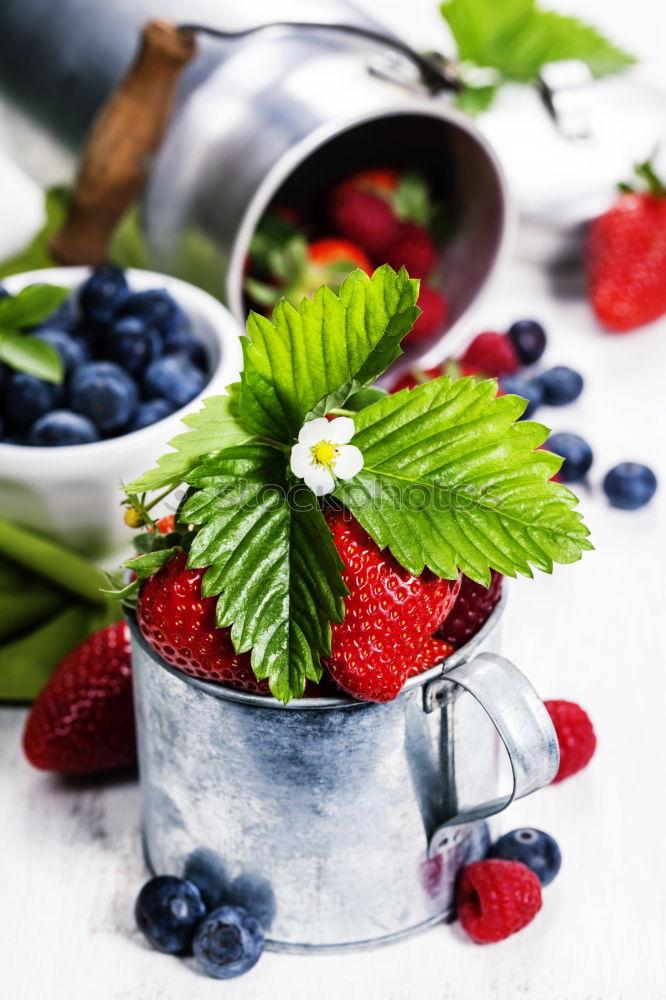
(193, 299)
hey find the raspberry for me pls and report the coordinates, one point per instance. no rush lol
(412, 247)
(496, 898)
(575, 735)
(493, 354)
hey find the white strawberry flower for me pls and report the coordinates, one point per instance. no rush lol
(323, 453)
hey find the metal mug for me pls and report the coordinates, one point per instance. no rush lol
(346, 822)
(282, 114)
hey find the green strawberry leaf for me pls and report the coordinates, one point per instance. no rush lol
(310, 359)
(34, 357)
(270, 557)
(518, 38)
(31, 305)
(147, 564)
(214, 427)
(412, 199)
(451, 482)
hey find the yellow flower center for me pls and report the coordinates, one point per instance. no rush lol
(324, 453)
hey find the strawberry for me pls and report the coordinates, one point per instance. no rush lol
(625, 256)
(429, 655)
(416, 376)
(575, 735)
(473, 606)
(179, 624)
(365, 218)
(412, 247)
(83, 720)
(339, 255)
(496, 898)
(382, 181)
(435, 307)
(389, 615)
(492, 354)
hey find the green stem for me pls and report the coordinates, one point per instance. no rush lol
(52, 561)
(340, 412)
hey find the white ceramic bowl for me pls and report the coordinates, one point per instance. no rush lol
(72, 493)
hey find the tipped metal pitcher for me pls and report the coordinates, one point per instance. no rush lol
(347, 822)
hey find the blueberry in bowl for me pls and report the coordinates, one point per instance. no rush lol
(65, 445)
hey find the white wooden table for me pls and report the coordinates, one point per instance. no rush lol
(70, 858)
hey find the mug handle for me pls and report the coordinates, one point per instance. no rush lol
(522, 723)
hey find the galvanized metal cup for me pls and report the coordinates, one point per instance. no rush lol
(346, 821)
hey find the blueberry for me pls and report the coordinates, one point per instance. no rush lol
(62, 427)
(576, 453)
(149, 413)
(630, 485)
(167, 911)
(228, 942)
(182, 342)
(561, 385)
(102, 294)
(534, 848)
(72, 352)
(64, 318)
(173, 378)
(132, 344)
(27, 398)
(529, 340)
(157, 308)
(530, 389)
(105, 393)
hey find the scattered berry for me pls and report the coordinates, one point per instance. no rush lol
(174, 379)
(534, 848)
(149, 413)
(626, 257)
(363, 217)
(493, 354)
(105, 393)
(389, 615)
(27, 399)
(471, 609)
(228, 942)
(529, 340)
(434, 310)
(167, 912)
(576, 453)
(495, 899)
(630, 485)
(132, 344)
(60, 428)
(83, 720)
(530, 389)
(575, 735)
(412, 247)
(72, 352)
(561, 385)
(103, 293)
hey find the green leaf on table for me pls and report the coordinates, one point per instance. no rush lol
(451, 482)
(311, 359)
(270, 557)
(214, 427)
(518, 38)
(34, 357)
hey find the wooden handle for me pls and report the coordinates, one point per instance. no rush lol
(122, 143)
